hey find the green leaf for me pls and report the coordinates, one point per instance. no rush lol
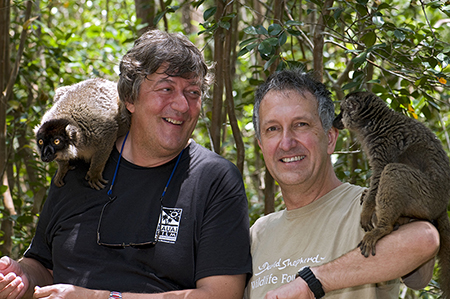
(399, 35)
(294, 23)
(252, 46)
(374, 81)
(378, 20)
(362, 9)
(293, 32)
(265, 47)
(282, 39)
(369, 38)
(251, 30)
(270, 62)
(360, 59)
(261, 30)
(242, 52)
(378, 46)
(255, 82)
(384, 6)
(434, 4)
(275, 29)
(350, 85)
(225, 25)
(273, 41)
(420, 82)
(3, 189)
(209, 12)
(337, 13)
(158, 17)
(317, 2)
(228, 17)
(247, 41)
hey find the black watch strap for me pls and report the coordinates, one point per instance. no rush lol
(313, 283)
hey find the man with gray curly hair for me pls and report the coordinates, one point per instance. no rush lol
(173, 222)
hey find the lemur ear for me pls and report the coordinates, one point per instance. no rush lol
(72, 131)
(352, 103)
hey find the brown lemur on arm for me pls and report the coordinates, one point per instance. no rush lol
(410, 174)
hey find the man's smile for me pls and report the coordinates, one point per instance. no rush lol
(172, 121)
(292, 159)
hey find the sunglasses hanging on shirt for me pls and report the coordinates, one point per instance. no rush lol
(102, 228)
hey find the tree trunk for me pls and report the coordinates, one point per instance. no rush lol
(216, 118)
(6, 224)
(319, 40)
(269, 191)
(5, 70)
(145, 10)
(186, 17)
(228, 74)
(8, 76)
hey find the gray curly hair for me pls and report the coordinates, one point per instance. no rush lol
(150, 51)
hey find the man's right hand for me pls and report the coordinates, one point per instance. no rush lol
(13, 282)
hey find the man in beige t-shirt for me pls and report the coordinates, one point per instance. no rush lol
(320, 228)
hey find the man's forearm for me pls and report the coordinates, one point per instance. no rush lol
(36, 274)
(397, 254)
(222, 286)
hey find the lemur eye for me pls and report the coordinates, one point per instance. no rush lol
(56, 141)
(41, 142)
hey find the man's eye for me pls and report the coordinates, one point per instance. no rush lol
(196, 93)
(271, 129)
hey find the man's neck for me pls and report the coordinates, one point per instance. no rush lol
(303, 194)
(143, 156)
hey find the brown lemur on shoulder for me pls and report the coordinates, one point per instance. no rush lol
(410, 173)
(84, 122)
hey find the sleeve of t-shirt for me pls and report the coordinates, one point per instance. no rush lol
(224, 245)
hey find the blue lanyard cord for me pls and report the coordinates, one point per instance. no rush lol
(171, 175)
(117, 167)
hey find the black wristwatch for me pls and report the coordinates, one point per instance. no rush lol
(313, 283)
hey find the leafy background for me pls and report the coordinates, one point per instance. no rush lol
(398, 49)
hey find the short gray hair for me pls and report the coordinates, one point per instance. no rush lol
(153, 49)
(301, 82)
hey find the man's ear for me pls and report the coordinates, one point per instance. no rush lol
(333, 135)
(130, 106)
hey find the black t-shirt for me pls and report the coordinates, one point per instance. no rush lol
(203, 228)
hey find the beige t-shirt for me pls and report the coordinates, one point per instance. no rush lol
(285, 241)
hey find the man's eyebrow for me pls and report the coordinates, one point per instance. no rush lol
(268, 122)
(164, 80)
(168, 79)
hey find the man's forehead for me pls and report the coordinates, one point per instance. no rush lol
(161, 77)
(288, 94)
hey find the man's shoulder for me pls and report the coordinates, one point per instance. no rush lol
(267, 221)
(209, 158)
(348, 190)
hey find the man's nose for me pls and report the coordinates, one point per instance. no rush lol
(288, 140)
(180, 103)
